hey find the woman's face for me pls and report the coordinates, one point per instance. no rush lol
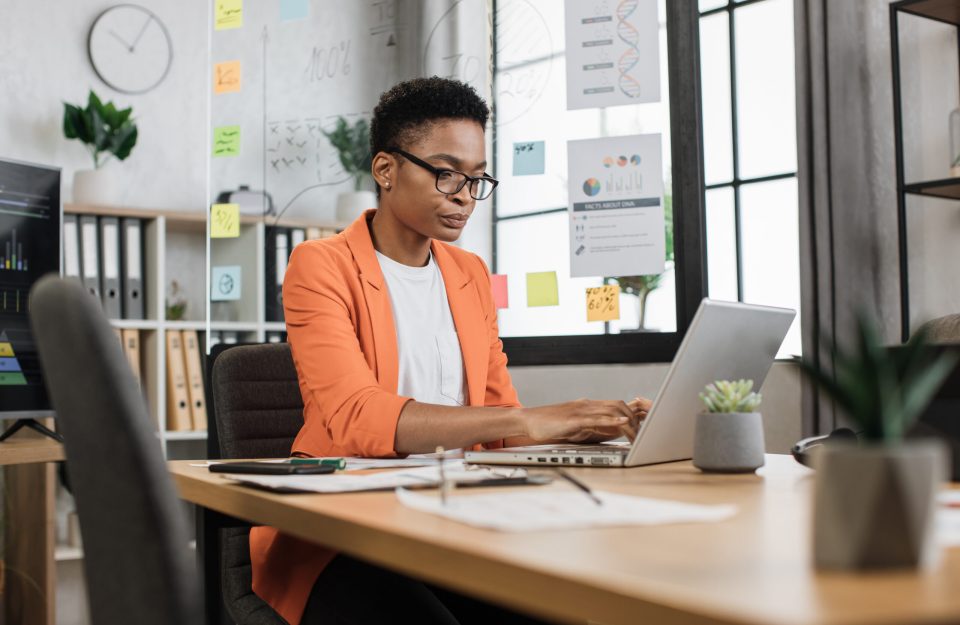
(412, 196)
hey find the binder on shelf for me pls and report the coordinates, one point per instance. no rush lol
(178, 401)
(193, 367)
(277, 252)
(90, 254)
(297, 236)
(213, 338)
(228, 337)
(131, 349)
(110, 266)
(132, 283)
(274, 337)
(71, 249)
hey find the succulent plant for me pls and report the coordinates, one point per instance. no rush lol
(725, 396)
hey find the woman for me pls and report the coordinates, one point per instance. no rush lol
(394, 336)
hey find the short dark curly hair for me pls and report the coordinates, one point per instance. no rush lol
(405, 111)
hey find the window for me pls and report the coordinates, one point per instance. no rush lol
(750, 154)
(531, 225)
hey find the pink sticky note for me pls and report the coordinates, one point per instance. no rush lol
(499, 284)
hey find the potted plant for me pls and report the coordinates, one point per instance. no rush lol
(353, 146)
(643, 286)
(729, 435)
(874, 502)
(106, 132)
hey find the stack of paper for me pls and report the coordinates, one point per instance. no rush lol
(535, 510)
(384, 480)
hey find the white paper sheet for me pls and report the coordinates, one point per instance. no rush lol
(616, 208)
(384, 480)
(613, 53)
(535, 510)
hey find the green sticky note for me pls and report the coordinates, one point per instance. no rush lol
(224, 221)
(226, 141)
(542, 289)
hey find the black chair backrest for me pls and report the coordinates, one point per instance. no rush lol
(136, 557)
(258, 412)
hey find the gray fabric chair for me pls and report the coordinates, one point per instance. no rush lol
(258, 412)
(138, 566)
(943, 330)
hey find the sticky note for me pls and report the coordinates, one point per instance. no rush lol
(6, 349)
(226, 141)
(542, 289)
(227, 14)
(603, 303)
(225, 221)
(225, 283)
(226, 77)
(528, 158)
(498, 282)
(294, 9)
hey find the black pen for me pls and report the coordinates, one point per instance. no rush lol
(579, 485)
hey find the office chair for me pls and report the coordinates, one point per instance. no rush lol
(258, 412)
(138, 566)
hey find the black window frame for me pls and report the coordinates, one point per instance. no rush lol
(686, 131)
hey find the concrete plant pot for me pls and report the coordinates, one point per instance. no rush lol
(728, 442)
(875, 505)
(95, 187)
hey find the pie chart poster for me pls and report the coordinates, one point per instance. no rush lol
(616, 206)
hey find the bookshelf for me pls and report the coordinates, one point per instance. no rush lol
(175, 248)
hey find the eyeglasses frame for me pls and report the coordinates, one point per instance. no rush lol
(437, 171)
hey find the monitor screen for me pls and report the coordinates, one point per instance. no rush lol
(30, 216)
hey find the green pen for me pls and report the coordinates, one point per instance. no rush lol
(336, 463)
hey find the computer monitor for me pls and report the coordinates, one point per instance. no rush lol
(30, 244)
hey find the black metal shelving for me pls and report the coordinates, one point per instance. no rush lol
(948, 12)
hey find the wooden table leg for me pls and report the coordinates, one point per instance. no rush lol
(29, 531)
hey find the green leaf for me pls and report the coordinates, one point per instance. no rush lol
(124, 141)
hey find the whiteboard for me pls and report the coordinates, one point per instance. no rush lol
(299, 75)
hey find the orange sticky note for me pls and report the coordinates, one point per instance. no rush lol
(226, 77)
(498, 282)
(603, 303)
(542, 289)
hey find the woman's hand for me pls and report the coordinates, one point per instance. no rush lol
(585, 420)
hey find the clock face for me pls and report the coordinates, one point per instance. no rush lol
(130, 48)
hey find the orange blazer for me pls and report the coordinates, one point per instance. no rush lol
(344, 343)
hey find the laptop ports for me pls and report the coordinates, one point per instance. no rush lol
(579, 461)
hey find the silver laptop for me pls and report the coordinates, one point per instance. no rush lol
(725, 341)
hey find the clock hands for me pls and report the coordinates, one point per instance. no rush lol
(122, 40)
(143, 29)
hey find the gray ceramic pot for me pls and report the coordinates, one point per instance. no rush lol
(728, 442)
(874, 506)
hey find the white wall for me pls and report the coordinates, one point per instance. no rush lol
(550, 385)
(43, 62)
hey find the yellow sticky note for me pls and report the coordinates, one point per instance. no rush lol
(603, 303)
(225, 221)
(6, 350)
(226, 141)
(226, 77)
(227, 14)
(542, 289)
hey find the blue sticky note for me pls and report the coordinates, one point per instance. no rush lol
(294, 9)
(225, 283)
(528, 158)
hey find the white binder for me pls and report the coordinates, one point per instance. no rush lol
(110, 267)
(90, 254)
(132, 284)
(71, 249)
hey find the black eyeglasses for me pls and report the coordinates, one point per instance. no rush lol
(450, 181)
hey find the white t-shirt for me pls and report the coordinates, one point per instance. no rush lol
(431, 364)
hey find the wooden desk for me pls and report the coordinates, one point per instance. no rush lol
(30, 593)
(754, 568)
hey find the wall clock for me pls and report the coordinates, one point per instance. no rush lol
(130, 48)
